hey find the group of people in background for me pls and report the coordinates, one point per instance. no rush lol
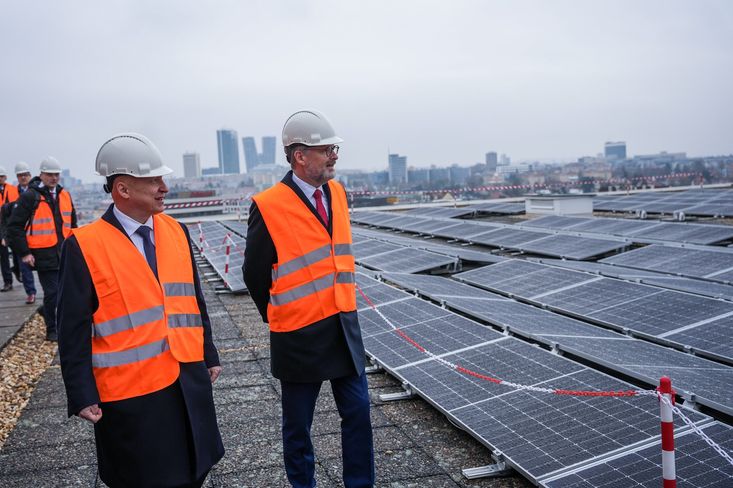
(36, 216)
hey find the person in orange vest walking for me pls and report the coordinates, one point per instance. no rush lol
(8, 194)
(299, 270)
(135, 342)
(42, 218)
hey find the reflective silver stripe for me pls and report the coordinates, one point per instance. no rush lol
(342, 249)
(41, 221)
(141, 353)
(303, 290)
(345, 277)
(127, 322)
(185, 320)
(301, 262)
(65, 213)
(179, 289)
(41, 232)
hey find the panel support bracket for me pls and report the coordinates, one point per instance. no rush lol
(372, 369)
(489, 471)
(406, 394)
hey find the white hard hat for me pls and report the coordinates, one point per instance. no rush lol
(3, 172)
(22, 167)
(130, 154)
(310, 128)
(50, 165)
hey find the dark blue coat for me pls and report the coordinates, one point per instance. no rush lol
(327, 349)
(168, 437)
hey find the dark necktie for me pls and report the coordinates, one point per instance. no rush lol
(319, 206)
(149, 248)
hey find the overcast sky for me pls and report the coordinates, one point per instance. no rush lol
(439, 81)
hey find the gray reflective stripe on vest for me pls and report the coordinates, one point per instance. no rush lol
(41, 221)
(301, 262)
(127, 322)
(141, 353)
(185, 320)
(303, 290)
(65, 213)
(345, 277)
(179, 289)
(342, 249)
(37, 232)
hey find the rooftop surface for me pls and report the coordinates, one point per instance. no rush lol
(415, 445)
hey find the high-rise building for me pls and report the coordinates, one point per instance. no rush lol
(268, 150)
(228, 144)
(615, 150)
(492, 160)
(251, 158)
(191, 165)
(397, 169)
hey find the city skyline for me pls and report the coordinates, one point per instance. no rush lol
(529, 79)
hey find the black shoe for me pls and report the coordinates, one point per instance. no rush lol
(52, 336)
(6, 287)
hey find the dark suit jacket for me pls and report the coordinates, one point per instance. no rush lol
(327, 349)
(160, 429)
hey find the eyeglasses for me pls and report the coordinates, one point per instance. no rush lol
(329, 151)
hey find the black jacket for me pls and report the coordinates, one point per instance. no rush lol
(47, 258)
(327, 349)
(135, 450)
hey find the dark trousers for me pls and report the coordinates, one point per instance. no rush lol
(352, 400)
(5, 265)
(50, 283)
(26, 274)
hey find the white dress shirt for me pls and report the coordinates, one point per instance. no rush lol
(131, 225)
(308, 190)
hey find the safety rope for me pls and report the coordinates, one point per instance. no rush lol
(691, 424)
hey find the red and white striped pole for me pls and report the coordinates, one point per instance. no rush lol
(226, 263)
(201, 238)
(669, 476)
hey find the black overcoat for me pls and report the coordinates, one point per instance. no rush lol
(166, 438)
(327, 349)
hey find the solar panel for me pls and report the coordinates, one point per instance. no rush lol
(367, 248)
(435, 286)
(440, 335)
(571, 247)
(488, 276)
(507, 237)
(715, 290)
(697, 464)
(601, 294)
(555, 222)
(407, 260)
(676, 260)
(713, 337)
(215, 243)
(693, 233)
(460, 231)
(500, 208)
(563, 430)
(236, 226)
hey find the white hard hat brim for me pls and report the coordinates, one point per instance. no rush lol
(324, 142)
(162, 171)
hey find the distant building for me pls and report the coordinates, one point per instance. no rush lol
(191, 165)
(397, 169)
(439, 176)
(211, 171)
(417, 176)
(615, 150)
(268, 150)
(492, 161)
(228, 145)
(459, 174)
(251, 158)
(505, 160)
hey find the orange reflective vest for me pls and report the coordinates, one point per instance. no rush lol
(314, 274)
(10, 194)
(41, 231)
(143, 327)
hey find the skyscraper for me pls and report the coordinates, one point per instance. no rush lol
(251, 158)
(191, 165)
(397, 169)
(492, 160)
(615, 150)
(228, 144)
(268, 150)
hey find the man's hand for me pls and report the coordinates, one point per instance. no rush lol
(29, 260)
(2, 242)
(92, 413)
(214, 372)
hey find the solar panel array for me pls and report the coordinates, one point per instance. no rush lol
(514, 208)
(663, 315)
(213, 248)
(637, 230)
(707, 203)
(645, 361)
(537, 433)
